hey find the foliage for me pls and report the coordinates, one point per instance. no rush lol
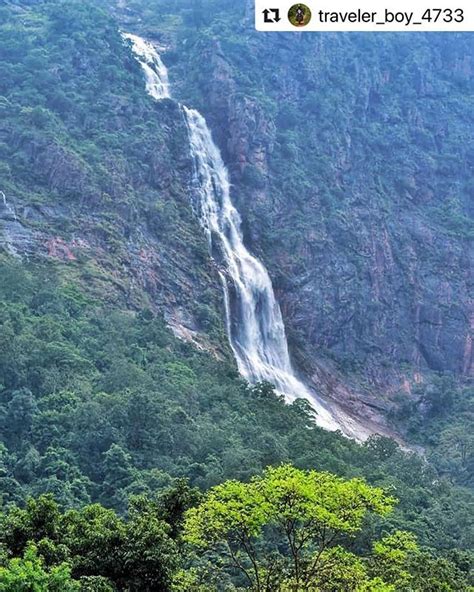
(103, 551)
(284, 531)
(98, 404)
(359, 201)
(288, 530)
(440, 418)
(28, 573)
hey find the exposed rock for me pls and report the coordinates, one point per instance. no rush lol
(371, 281)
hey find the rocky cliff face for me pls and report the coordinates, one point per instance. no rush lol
(350, 158)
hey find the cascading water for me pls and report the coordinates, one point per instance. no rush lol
(10, 209)
(156, 74)
(254, 321)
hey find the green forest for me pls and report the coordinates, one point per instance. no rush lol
(132, 460)
(114, 428)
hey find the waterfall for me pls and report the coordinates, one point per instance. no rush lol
(156, 74)
(10, 209)
(253, 317)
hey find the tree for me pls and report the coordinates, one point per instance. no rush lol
(282, 530)
(135, 555)
(391, 556)
(381, 447)
(437, 574)
(119, 473)
(149, 554)
(29, 573)
(19, 420)
(96, 584)
(10, 489)
(39, 520)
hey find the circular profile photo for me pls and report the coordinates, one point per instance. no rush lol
(299, 15)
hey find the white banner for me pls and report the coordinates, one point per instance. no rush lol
(364, 15)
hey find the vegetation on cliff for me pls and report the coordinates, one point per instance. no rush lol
(350, 158)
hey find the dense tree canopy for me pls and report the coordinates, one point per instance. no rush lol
(287, 530)
(99, 404)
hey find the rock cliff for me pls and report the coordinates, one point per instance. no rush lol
(351, 159)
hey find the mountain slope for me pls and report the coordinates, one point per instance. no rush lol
(86, 166)
(349, 157)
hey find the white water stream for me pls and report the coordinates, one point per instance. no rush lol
(254, 321)
(10, 209)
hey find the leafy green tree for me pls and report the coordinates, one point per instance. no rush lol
(391, 558)
(438, 574)
(102, 549)
(456, 451)
(339, 570)
(149, 555)
(282, 529)
(134, 555)
(39, 520)
(10, 489)
(119, 474)
(19, 419)
(29, 574)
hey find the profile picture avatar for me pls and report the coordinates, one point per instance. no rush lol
(299, 15)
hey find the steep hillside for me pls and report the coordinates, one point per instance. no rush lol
(93, 173)
(349, 157)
